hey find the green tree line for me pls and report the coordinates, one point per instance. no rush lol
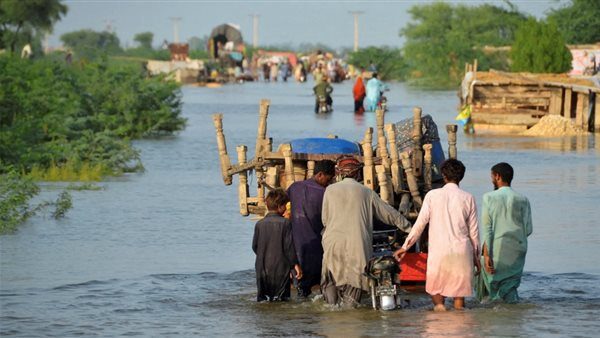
(442, 37)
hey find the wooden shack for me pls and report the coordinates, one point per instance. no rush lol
(179, 51)
(514, 102)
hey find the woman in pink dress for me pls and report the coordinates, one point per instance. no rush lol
(453, 239)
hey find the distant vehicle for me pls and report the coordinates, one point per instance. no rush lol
(323, 106)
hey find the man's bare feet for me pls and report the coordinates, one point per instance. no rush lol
(439, 307)
(459, 303)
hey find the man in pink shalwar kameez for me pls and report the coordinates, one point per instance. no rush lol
(453, 238)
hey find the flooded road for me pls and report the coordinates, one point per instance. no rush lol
(166, 253)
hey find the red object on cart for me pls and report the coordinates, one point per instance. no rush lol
(414, 267)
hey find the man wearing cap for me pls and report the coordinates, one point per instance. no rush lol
(348, 211)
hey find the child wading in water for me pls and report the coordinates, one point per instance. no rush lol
(274, 249)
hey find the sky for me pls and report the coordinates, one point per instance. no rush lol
(280, 22)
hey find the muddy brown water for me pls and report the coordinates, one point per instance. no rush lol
(165, 252)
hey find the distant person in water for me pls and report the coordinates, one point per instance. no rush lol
(323, 89)
(274, 249)
(374, 89)
(506, 224)
(359, 94)
(266, 69)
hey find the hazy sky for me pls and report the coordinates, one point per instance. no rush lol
(280, 22)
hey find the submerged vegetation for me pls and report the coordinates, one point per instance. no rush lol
(74, 122)
(15, 195)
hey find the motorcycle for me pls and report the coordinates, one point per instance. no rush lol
(383, 272)
(383, 100)
(322, 106)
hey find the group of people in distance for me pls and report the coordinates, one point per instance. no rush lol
(372, 93)
(325, 237)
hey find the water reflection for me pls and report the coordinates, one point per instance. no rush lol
(578, 144)
(450, 323)
(359, 119)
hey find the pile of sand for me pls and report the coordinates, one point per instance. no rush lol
(554, 125)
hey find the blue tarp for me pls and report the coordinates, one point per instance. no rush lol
(321, 145)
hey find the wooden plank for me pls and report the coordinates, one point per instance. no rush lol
(597, 114)
(567, 103)
(507, 119)
(555, 103)
(260, 210)
(507, 111)
(586, 112)
(579, 110)
(512, 90)
(479, 94)
(540, 101)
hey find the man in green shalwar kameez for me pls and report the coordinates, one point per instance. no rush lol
(506, 223)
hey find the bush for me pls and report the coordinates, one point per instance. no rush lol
(15, 193)
(58, 121)
(539, 48)
(388, 61)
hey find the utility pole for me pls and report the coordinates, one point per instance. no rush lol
(46, 43)
(108, 25)
(254, 29)
(176, 21)
(356, 14)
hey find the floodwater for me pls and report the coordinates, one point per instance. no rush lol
(166, 253)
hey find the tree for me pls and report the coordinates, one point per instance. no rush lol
(442, 37)
(389, 61)
(579, 21)
(21, 20)
(197, 43)
(540, 48)
(89, 44)
(144, 39)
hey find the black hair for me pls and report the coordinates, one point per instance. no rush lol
(276, 198)
(453, 170)
(505, 171)
(326, 167)
(374, 75)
